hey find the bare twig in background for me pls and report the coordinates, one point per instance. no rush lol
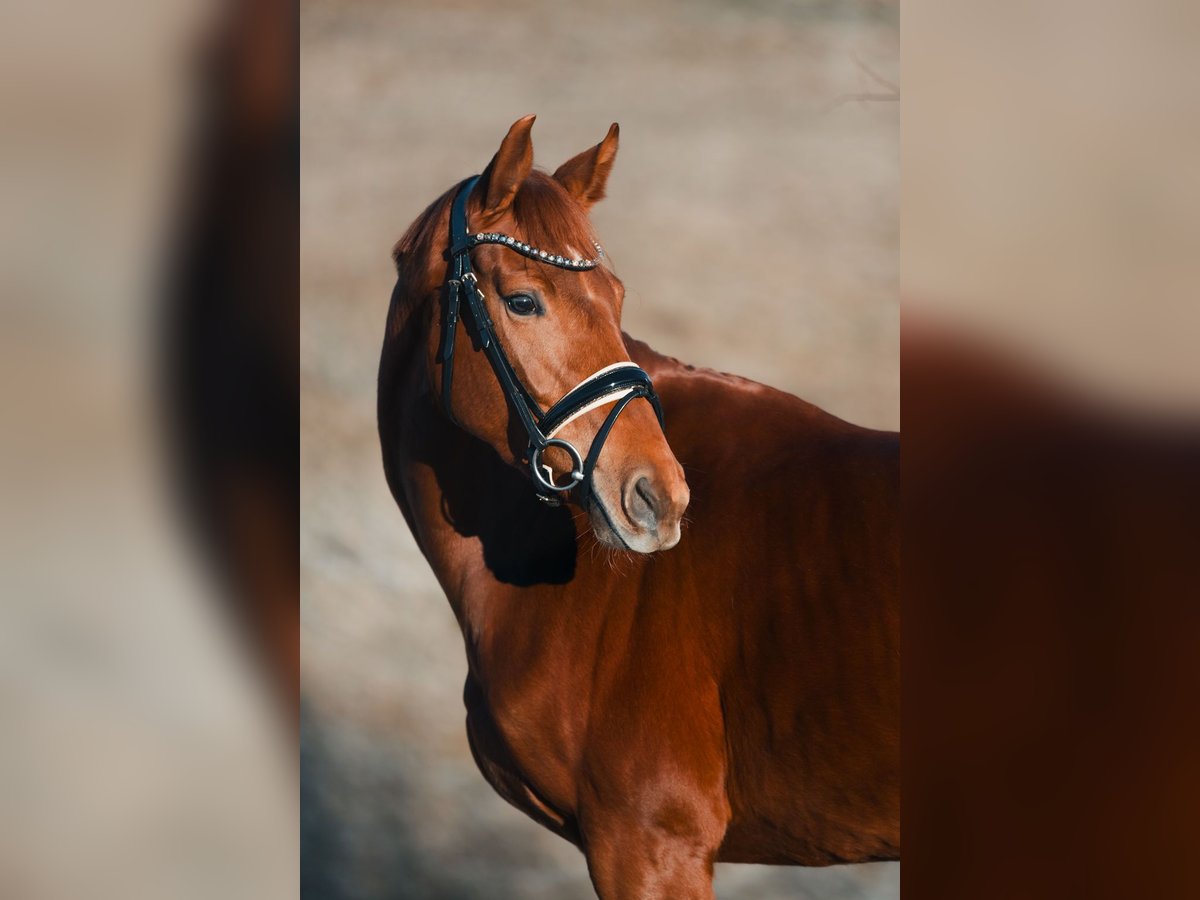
(879, 79)
(893, 94)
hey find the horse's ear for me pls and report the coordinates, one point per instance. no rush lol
(586, 175)
(509, 167)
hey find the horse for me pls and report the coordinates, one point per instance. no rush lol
(683, 649)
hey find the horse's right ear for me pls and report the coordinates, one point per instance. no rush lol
(509, 167)
(586, 175)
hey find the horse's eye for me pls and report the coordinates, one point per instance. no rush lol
(522, 304)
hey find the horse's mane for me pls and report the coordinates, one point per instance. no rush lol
(544, 211)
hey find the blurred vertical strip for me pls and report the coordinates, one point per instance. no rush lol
(1051, 409)
(230, 348)
(148, 270)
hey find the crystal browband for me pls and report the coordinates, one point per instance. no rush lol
(563, 262)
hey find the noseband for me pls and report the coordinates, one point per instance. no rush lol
(618, 384)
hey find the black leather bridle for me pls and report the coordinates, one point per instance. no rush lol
(619, 384)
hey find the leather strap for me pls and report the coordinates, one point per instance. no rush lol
(622, 378)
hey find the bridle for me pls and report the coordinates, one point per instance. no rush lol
(618, 384)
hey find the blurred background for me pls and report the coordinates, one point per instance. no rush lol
(1051, 279)
(148, 475)
(753, 216)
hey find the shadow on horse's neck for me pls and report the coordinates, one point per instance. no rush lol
(524, 541)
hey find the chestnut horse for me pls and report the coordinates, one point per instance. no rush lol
(720, 688)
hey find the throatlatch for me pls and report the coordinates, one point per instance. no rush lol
(619, 384)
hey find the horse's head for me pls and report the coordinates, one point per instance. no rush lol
(558, 327)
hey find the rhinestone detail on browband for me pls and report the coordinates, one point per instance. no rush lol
(563, 262)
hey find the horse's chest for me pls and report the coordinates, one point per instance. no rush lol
(527, 752)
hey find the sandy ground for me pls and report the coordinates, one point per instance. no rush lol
(753, 214)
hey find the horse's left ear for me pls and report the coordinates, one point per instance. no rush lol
(586, 175)
(510, 166)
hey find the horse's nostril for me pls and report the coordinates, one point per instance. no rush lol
(641, 503)
(646, 492)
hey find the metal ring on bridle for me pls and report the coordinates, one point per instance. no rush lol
(535, 465)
